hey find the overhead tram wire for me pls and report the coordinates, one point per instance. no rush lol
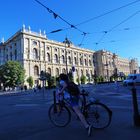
(56, 15)
(115, 41)
(74, 26)
(99, 16)
(106, 13)
(110, 30)
(137, 12)
(84, 34)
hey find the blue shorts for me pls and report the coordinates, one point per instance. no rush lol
(74, 101)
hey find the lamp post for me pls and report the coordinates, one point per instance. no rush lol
(67, 44)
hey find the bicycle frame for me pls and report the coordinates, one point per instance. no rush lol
(89, 110)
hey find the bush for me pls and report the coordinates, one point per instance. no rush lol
(83, 79)
(78, 81)
(51, 82)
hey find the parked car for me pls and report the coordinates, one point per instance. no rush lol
(131, 79)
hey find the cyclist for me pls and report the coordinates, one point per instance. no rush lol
(74, 99)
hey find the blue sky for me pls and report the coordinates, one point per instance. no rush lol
(123, 40)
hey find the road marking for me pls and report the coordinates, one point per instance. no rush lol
(119, 107)
(24, 105)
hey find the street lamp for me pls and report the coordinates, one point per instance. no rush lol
(67, 44)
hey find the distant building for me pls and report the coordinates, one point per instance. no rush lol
(107, 63)
(134, 68)
(36, 53)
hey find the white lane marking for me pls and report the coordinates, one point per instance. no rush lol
(24, 105)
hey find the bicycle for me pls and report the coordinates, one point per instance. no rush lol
(96, 113)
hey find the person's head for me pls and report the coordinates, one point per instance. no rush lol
(63, 77)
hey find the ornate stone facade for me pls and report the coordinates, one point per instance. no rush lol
(36, 52)
(107, 63)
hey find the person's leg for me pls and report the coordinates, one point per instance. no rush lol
(76, 108)
(81, 116)
(83, 120)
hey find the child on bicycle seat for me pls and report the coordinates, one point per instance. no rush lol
(74, 100)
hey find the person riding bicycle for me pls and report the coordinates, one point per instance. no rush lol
(74, 100)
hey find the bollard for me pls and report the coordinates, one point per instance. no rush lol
(136, 115)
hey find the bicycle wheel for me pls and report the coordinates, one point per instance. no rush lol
(98, 115)
(59, 115)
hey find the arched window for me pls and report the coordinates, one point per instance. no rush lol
(90, 62)
(49, 71)
(63, 59)
(10, 55)
(69, 60)
(35, 53)
(85, 62)
(48, 57)
(87, 73)
(7, 57)
(36, 71)
(64, 70)
(15, 54)
(81, 61)
(82, 72)
(35, 43)
(56, 58)
(75, 60)
(57, 72)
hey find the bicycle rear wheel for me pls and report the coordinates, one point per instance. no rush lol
(98, 115)
(59, 115)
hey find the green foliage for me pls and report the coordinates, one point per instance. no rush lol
(111, 78)
(101, 79)
(12, 74)
(78, 80)
(47, 76)
(83, 79)
(51, 82)
(70, 77)
(30, 81)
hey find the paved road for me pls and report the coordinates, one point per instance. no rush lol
(25, 117)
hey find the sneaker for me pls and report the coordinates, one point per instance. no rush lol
(89, 129)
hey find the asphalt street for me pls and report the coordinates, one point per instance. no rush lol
(24, 116)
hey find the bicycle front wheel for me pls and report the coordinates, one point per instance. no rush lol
(59, 115)
(98, 115)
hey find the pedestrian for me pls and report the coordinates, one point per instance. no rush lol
(74, 99)
(116, 84)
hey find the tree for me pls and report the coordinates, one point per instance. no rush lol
(78, 80)
(70, 76)
(83, 79)
(51, 82)
(30, 81)
(12, 74)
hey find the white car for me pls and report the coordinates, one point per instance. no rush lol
(131, 79)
